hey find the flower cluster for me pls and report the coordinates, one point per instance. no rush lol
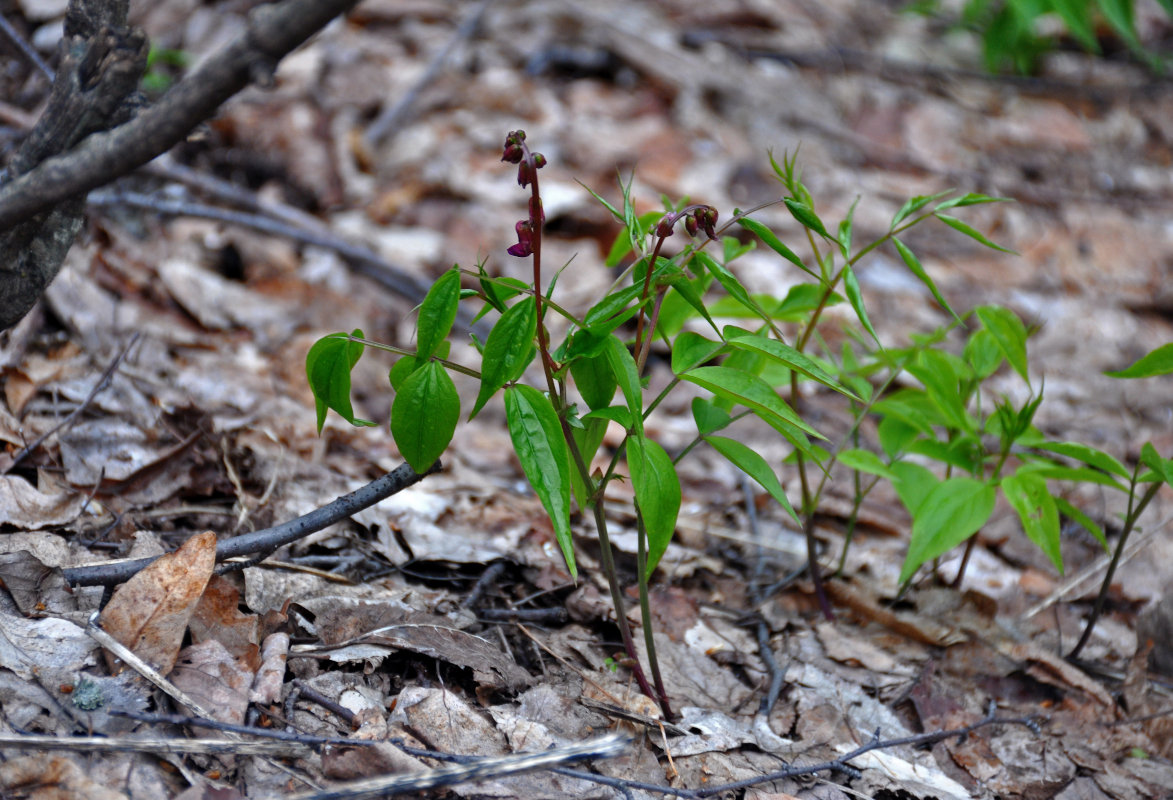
(528, 163)
(696, 218)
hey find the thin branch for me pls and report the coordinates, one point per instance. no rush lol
(102, 383)
(273, 30)
(247, 730)
(268, 540)
(481, 769)
(394, 115)
(108, 744)
(26, 49)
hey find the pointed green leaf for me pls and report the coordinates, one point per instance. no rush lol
(1163, 467)
(1158, 362)
(626, 374)
(437, 313)
(845, 231)
(915, 267)
(866, 461)
(508, 351)
(752, 464)
(731, 285)
(913, 484)
(594, 380)
(657, 495)
(691, 350)
(754, 393)
(401, 370)
(1084, 521)
(983, 354)
(1027, 494)
(790, 358)
(971, 232)
(952, 511)
(327, 367)
(708, 417)
(1010, 334)
(588, 438)
(424, 415)
(770, 240)
(855, 297)
(545, 459)
(913, 205)
(1088, 455)
(806, 216)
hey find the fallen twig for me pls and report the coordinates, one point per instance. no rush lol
(102, 383)
(267, 540)
(479, 769)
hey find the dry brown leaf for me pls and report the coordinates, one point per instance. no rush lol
(24, 506)
(218, 617)
(149, 613)
(40, 778)
(36, 588)
(211, 676)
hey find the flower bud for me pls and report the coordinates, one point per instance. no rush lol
(664, 229)
(690, 225)
(539, 161)
(525, 240)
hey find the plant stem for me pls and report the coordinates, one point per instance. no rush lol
(1129, 524)
(645, 613)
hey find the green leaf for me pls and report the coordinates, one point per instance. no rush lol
(855, 297)
(731, 285)
(611, 305)
(895, 435)
(973, 233)
(1158, 362)
(1027, 494)
(806, 216)
(708, 417)
(732, 249)
(1087, 455)
(866, 461)
(1010, 334)
(1077, 16)
(915, 267)
(401, 370)
(983, 354)
(1059, 472)
(588, 437)
(913, 484)
(545, 459)
(595, 380)
(327, 368)
(970, 199)
(691, 350)
(961, 452)
(627, 376)
(845, 231)
(770, 240)
(952, 511)
(790, 358)
(1084, 521)
(437, 313)
(657, 495)
(424, 415)
(619, 248)
(752, 464)
(913, 205)
(1152, 459)
(754, 393)
(508, 351)
(933, 369)
(685, 288)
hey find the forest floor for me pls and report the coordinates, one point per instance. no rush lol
(182, 340)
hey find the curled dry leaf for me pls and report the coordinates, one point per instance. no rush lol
(24, 506)
(211, 676)
(149, 613)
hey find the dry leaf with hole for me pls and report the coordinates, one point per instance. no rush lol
(149, 613)
(210, 675)
(217, 616)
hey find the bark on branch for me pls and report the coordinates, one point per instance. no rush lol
(59, 182)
